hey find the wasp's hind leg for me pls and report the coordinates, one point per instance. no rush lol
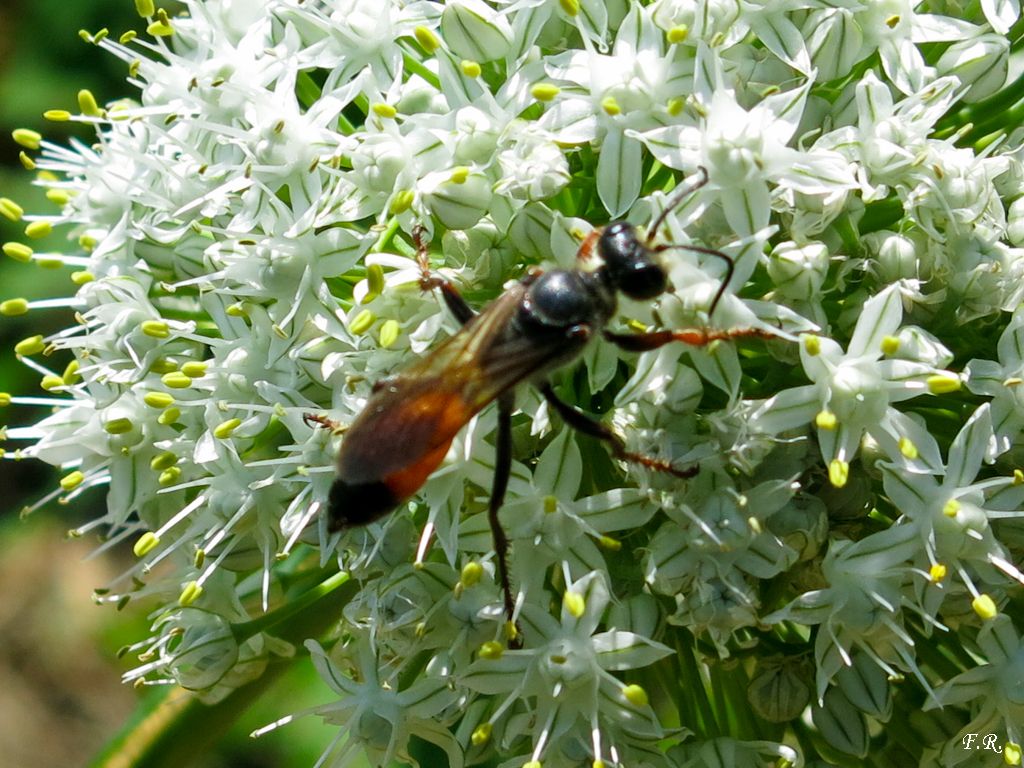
(502, 470)
(430, 280)
(589, 426)
(695, 337)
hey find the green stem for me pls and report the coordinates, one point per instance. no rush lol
(286, 613)
(693, 703)
(386, 236)
(416, 66)
(986, 115)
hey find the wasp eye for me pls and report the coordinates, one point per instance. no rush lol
(643, 280)
(629, 263)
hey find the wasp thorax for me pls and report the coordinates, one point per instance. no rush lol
(559, 298)
(629, 264)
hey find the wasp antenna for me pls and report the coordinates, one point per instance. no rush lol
(677, 197)
(730, 267)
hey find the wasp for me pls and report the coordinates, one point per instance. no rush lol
(538, 325)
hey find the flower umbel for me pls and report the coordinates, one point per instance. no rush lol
(242, 253)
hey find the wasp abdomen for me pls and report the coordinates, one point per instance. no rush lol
(358, 504)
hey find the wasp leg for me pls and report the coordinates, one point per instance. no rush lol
(319, 420)
(586, 249)
(588, 426)
(431, 280)
(502, 470)
(695, 337)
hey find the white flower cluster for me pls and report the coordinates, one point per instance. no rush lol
(245, 259)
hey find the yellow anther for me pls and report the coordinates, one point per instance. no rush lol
(491, 650)
(33, 345)
(163, 461)
(471, 574)
(27, 138)
(677, 34)
(374, 282)
(38, 229)
(87, 104)
(426, 38)
(170, 416)
(194, 369)
(826, 420)
(72, 480)
(574, 604)
(225, 429)
(156, 328)
(192, 592)
(402, 202)
(470, 68)
(10, 209)
(985, 607)
(838, 472)
(146, 543)
(481, 735)
(169, 476)
(943, 384)
(117, 426)
(635, 695)
(158, 399)
(545, 91)
(57, 115)
(390, 330)
(176, 380)
(82, 277)
(611, 106)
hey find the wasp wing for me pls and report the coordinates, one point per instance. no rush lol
(410, 421)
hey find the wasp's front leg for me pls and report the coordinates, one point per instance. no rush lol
(430, 280)
(315, 420)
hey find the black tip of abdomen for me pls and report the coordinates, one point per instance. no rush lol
(350, 505)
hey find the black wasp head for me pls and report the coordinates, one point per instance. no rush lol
(629, 264)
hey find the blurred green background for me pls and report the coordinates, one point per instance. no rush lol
(61, 698)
